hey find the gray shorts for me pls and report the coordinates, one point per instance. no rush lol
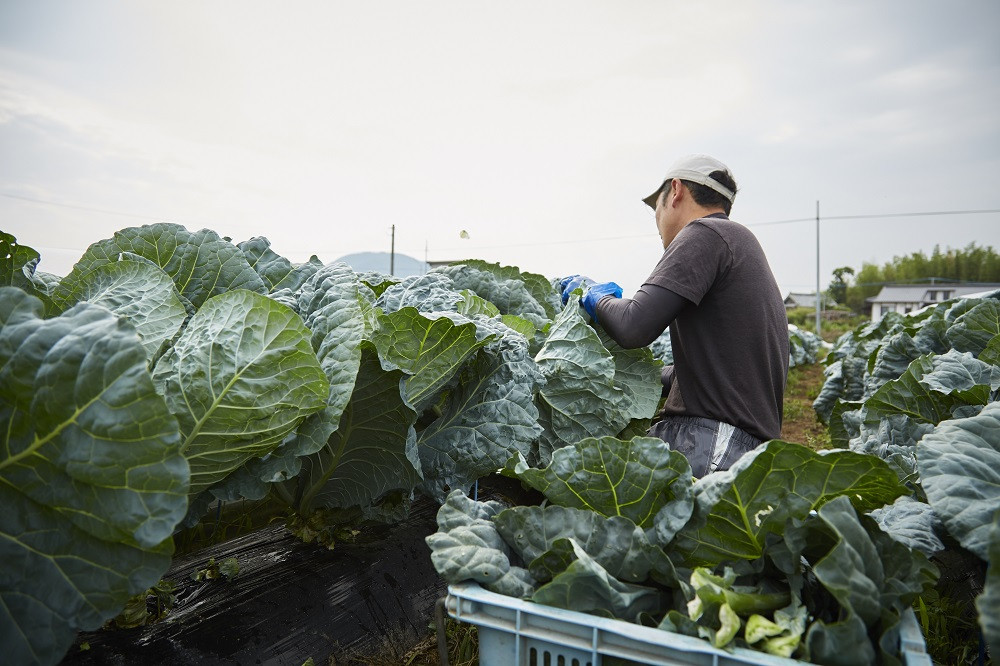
(709, 445)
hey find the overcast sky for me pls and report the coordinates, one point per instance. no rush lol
(536, 127)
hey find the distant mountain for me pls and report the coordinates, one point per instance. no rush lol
(403, 265)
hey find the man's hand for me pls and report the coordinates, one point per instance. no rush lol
(595, 292)
(571, 282)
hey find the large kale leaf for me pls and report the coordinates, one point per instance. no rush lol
(467, 546)
(276, 271)
(486, 415)
(736, 509)
(512, 291)
(92, 479)
(239, 379)
(18, 268)
(373, 450)
(871, 577)
(590, 390)
(200, 263)
(139, 291)
(586, 586)
(430, 350)
(959, 465)
(637, 479)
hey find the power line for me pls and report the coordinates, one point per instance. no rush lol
(748, 224)
(919, 214)
(91, 209)
(552, 242)
(162, 219)
(564, 241)
(824, 218)
(767, 224)
(39, 248)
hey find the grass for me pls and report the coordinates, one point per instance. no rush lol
(947, 614)
(463, 646)
(799, 422)
(830, 329)
(951, 632)
(463, 650)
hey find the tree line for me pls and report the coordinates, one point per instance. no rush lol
(970, 264)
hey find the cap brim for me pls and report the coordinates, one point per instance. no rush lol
(651, 199)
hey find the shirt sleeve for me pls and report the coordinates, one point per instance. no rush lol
(692, 262)
(635, 322)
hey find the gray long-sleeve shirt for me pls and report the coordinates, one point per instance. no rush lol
(728, 330)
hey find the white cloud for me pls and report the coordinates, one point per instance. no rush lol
(782, 133)
(921, 78)
(320, 125)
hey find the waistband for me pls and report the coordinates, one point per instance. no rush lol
(708, 444)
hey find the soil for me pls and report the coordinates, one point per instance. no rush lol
(291, 601)
(367, 602)
(800, 424)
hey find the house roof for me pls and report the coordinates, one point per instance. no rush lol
(917, 293)
(807, 299)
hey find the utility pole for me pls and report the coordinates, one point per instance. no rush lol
(817, 270)
(392, 252)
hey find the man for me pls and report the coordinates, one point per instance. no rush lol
(728, 331)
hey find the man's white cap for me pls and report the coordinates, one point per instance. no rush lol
(697, 169)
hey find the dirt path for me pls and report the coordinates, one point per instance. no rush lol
(800, 424)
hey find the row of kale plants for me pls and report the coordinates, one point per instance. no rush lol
(922, 391)
(811, 555)
(172, 369)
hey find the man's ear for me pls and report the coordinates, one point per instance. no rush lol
(678, 190)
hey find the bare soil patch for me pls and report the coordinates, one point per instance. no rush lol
(800, 424)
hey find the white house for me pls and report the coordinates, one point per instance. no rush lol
(797, 299)
(903, 298)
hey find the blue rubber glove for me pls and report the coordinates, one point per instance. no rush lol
(595, 292)
(571, 282)
(565, 281)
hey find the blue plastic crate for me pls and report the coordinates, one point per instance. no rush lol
(513, 632)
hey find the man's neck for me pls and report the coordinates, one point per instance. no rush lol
(698, 212)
